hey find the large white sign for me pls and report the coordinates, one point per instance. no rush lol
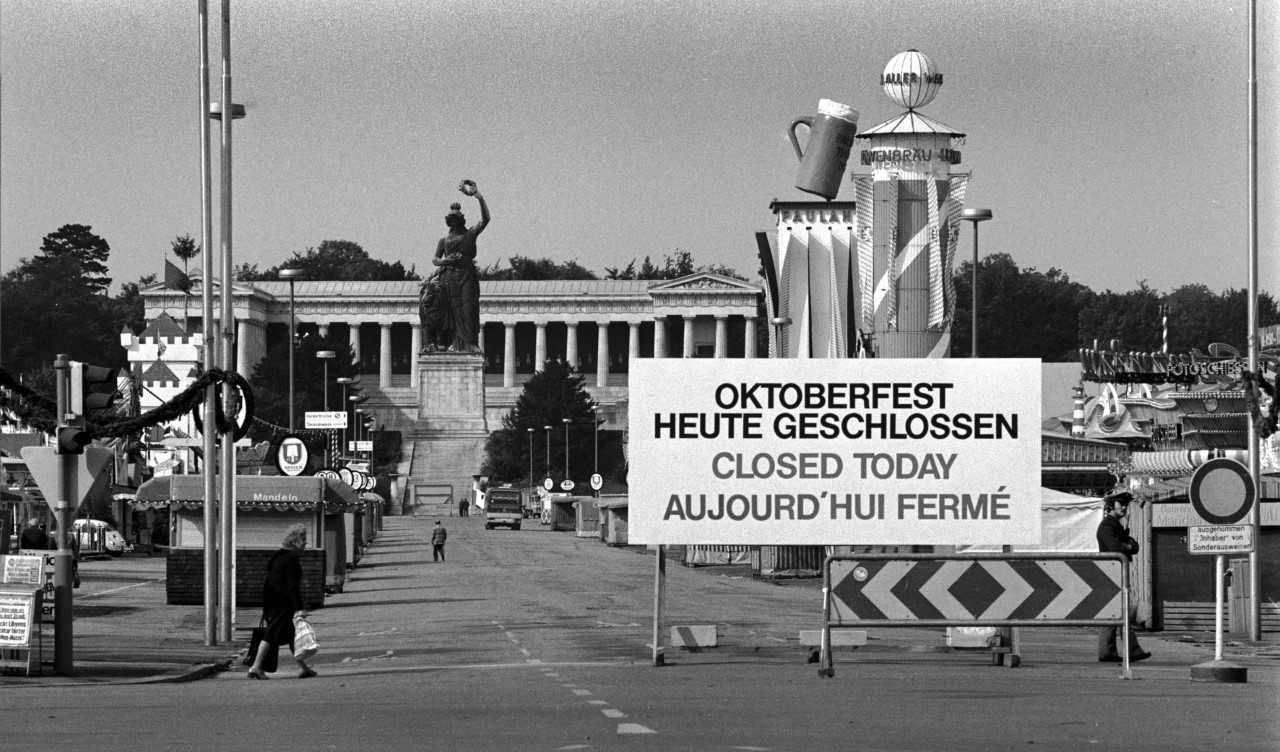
(831, 452)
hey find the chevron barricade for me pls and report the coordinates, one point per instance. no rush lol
(995, 589)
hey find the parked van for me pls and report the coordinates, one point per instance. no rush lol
(99, 537)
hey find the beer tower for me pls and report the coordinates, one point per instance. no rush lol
(908, 216)
(873, 277)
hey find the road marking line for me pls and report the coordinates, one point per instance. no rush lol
(101, 593)
(613, 713)
(582, 692)
(625, 729)
(597, 702)
(525, 652)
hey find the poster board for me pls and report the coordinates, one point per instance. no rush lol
(17, 614)
(830, 452)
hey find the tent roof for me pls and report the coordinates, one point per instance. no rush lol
(263, 492)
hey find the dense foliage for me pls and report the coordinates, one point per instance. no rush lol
(550, 396)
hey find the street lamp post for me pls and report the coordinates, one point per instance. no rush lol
(547, 431)
(325, 356)
(975, 216)
(595, 443)
(530, 432)
(566, 447)
(346, 410)
(292, 275)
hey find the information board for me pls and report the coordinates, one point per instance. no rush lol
(823, 452)
(17, 610)
(23, 570)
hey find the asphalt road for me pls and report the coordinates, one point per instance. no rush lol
(538, 640)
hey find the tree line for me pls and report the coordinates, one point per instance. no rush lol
(58, 301)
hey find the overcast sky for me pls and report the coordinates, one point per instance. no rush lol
(1108, 137)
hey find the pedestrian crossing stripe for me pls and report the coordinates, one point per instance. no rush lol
(1010, 588)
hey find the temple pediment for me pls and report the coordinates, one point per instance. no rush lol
(703, 281)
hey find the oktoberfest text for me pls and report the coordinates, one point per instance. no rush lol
(876, 411)
(871, 411)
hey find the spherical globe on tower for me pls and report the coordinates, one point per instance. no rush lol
(910, 79)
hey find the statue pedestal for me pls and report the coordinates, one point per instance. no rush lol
(449, 439)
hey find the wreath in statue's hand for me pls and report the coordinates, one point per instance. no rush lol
(467, 187)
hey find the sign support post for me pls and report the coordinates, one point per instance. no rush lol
(1222, 492)
(63, 658)
(659, 595)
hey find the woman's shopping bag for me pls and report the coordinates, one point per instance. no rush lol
(304, 638)
(269, 662)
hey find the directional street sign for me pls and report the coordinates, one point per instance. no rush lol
(963, 590)
(44, 464)
(320, 419)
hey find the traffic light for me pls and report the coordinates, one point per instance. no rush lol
(92, 387)
(72, 439)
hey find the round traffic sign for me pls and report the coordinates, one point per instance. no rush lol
(547, 483)
(1222, 491)
(292, 456)
(596, 481)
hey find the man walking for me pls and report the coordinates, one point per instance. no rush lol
(438, 536)
(1113, 536)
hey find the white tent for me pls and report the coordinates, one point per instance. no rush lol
(1068, 523)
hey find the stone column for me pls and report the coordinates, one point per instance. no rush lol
(633, 343)
(749, 338)
(353, 333)
(508, 353)
(571, 344)
(540, 347)
(722, 335)
(602, 354)
(686, 347)
(415, 344)
(660, 337)
(384, 356)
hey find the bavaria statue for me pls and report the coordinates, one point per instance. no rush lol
(449, 300)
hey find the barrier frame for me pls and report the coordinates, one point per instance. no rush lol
(826, 661)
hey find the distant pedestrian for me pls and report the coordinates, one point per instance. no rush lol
(438, 537)
(1113, 537)
(281, 599)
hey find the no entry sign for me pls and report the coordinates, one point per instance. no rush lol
(1222, 491)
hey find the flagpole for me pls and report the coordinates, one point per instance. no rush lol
(1255, 515)
(208, 354)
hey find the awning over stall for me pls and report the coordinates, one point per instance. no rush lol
(253, 492)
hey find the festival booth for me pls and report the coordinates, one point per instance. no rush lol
(613, 520)
(266, 506)
(587, 517)
(564, 515)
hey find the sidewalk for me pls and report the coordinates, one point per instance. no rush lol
(130, 635)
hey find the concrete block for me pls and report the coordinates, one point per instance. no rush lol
(840, 638)
(695, 636)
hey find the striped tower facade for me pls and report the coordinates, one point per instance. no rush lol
(907, 249)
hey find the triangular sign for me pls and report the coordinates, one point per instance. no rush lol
(44, 465)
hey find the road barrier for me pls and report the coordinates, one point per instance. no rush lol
(995, 589)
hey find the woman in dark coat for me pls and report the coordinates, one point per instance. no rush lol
(281, 599)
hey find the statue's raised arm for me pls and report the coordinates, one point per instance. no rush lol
(468, 188)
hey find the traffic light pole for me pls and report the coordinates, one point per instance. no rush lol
(63, 658)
